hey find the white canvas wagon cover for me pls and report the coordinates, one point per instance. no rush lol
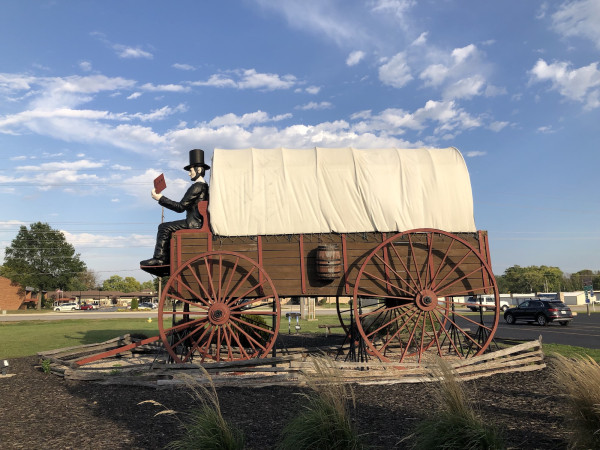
(344, 190)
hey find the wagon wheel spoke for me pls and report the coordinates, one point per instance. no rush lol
(398, 276)
(422, 271)
(223, 318)
(466, 318)
(202, 304)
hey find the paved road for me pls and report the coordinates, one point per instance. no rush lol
(76, 315)
(583, 331)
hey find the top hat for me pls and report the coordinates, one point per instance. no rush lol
(196, 159)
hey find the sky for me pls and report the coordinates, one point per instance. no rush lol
(97, 98)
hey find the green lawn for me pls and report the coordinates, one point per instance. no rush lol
(30, 337)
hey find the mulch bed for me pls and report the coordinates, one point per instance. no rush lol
(45, 411)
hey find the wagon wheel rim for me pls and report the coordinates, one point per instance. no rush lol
(425, 274)
(344, 314)
(230, 309)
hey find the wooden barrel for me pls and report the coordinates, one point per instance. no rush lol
(329, 262)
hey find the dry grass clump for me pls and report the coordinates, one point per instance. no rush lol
(455, 425)
(325, 423)
(579, 378)
(205, 426)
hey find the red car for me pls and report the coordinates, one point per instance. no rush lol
(84, 307)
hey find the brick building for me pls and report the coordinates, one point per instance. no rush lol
(14, 296)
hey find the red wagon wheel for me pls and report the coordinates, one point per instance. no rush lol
(425, 275)
(221, 306)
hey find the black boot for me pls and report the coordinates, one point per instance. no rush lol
(153, 262)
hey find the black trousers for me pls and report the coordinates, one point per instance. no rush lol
(162, 250)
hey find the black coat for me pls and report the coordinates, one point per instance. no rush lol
(189, 203)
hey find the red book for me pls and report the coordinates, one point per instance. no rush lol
(160, 184)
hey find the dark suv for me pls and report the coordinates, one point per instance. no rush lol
(540, 311)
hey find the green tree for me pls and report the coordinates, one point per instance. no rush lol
(41, 257)
(147, 286)
(84, 281)
(117, 283)
(531, 279)
(585, 278)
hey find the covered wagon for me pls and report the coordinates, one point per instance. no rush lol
(391, 229)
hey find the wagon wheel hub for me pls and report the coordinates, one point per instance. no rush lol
(218, 313)
(426, 300)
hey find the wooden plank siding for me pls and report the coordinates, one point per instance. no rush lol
(281, 259)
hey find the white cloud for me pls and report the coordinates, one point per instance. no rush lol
(120, 167)
(421, 40)
(395, 72)
(134, 96)
(246, 119)
(160, 114)
(474, 154)
(460, 74)
(396, 8)
(546, 129)
(461, 54)
(465, 88)
(313, 90)
(315, 106)
(443, 116)
(580, 19)
(86, 66)
(165, 88)
(62, 165)
(83, 240)
(582, 84)
(497, 126)
(331, 19)
(434, 74)
(10, 224)
(126, 52)
(249, 79)
(355, 57)
(183, 66)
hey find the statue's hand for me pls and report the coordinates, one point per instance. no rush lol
(156, 196)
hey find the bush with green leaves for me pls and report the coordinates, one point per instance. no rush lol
(134, 303)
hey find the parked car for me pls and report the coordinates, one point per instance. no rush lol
(87, 307)
(540, 311)
(147, 305)
(66, 307)
(487, 302)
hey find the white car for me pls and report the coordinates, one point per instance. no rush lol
(487, 303)
(67, 307)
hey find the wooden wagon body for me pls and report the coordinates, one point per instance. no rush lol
(405, 287)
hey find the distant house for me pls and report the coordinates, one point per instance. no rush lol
(110, 298)
(14, 296)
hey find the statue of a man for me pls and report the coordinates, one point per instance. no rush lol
(189, 203)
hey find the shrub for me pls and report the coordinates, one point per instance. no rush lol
(325, 423)
(134, 303)
(455, 425)
(46, 366)
(578, 378)
(205, 427)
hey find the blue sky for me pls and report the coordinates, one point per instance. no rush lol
(97, 98)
